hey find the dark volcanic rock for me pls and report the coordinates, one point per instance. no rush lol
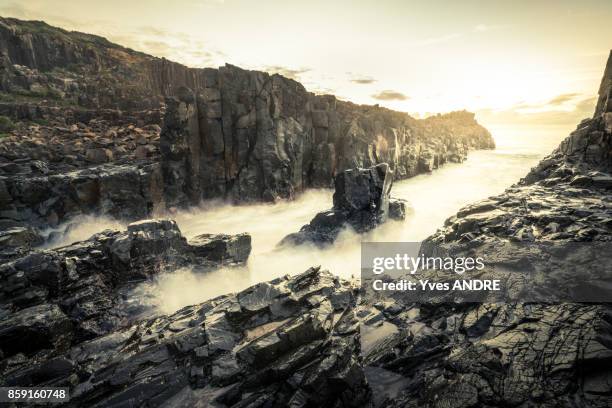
(38, 327)
(18, 240)
(358, 190)
(222, 247)
(83, 105)
(282, 343)
(517, 354)
(361, 201)
(124, 192)
(252, 136)
(56, 298)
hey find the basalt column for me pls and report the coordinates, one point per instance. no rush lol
(180, 149)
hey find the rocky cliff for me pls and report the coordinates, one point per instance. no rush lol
(82, 104)
(71, 68)
(316, 340)
(524, 353)
(251, 136)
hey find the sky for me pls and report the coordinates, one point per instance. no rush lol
(508, 61)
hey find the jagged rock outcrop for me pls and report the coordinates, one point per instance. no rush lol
(289, 342)
(528, 353)
(361, 201)
(52, 299)
(307, 340)
(18, 240)
(41, 61)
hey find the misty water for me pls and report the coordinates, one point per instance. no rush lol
(432, 197)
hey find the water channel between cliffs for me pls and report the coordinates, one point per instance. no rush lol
(432, 197)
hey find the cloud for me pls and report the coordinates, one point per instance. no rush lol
(390, 95)
(561, 99)
(154, 31)
(319, 90)
(568, 110)
(562, 102)
(363, 80)
(286, 72)
(159, 48)
(481, 28)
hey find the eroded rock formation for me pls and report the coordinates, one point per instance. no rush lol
(312, 339)
(251, 136)
(290, 342)
(52, 299)
(88, 113)
(362, 201)
(516, 354)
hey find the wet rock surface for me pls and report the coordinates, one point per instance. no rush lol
(361, 202)
(308, 340)
(222, 247)
(511, 354)
(52, 299)
(288, 342)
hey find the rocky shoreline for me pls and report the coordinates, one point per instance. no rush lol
(311, 339)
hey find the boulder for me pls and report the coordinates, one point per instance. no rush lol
(397, 209)
(99, 155)
(34, 328)
(221, 247)
(361, 202)
(20, 237)
(18, 240)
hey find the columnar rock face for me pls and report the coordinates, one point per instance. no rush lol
(79, 102)
(362, 201)
(251, 136)
(604, 102)
(83, 69)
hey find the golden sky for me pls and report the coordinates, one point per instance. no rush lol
(510, 61)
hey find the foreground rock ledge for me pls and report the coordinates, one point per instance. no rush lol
(288, 342)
